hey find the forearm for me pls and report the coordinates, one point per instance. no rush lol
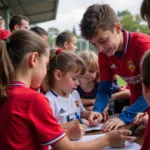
(123, 94)
(88, 102)
(85, 114)
(129, 114)
(103, 96)
(69, 124)
(96, 144)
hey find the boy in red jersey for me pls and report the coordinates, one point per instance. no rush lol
(120, 53)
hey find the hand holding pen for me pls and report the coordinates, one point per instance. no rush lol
(141, 118)
(138, 120)
(82, 121)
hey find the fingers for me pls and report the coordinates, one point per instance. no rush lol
(137, 117)
(130, 138)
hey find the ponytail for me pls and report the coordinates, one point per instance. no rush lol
(6, 70)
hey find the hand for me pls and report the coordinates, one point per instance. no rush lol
(117, 138)
(113, 123)
(105, 113)
(94, 118)
(76, 132)
(138, 119)
(86, 122)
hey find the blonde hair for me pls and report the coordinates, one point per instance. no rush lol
(64, 61)
(91, 59)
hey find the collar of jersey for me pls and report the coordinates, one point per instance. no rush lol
(126, 43)
(53, 93)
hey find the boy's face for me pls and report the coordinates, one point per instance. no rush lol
(72, 46)
(107, 42)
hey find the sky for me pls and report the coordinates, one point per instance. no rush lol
(70, 12)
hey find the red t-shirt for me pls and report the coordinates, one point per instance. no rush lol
(4, 34)
(128, 65)
(146, 142)
(27, 121)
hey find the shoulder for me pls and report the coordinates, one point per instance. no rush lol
(75, 94)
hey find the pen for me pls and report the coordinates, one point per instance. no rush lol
(78, 117)
(135, 126)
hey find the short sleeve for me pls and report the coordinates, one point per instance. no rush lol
(42, 120)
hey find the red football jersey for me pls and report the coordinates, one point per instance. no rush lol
(128, 65)
(27, 121)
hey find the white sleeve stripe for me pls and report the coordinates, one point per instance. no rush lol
(54, 140)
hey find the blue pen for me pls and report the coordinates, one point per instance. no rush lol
(78, 117)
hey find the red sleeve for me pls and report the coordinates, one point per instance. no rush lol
(44, 123)
(106, 74)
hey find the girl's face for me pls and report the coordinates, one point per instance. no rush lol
(40, 71)
(89, 75)
(69, 82)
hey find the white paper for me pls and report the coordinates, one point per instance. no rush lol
(128, 145)
(99, 127)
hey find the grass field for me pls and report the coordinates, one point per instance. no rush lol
(120, 81)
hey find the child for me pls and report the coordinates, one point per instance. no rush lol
(41, 32)
(145, 73)
(26, 119)
(67, 41)
(63, 79)
(120, 53)
(3, 33)
(89, 81)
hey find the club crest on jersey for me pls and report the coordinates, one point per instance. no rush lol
(77, 103)
(131, 65)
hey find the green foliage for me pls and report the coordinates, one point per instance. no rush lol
(132, 23)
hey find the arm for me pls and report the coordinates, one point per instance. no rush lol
(128, 115)
(103, 95)
(123, 94)
(70, 124)
(88, 102)
(113, 139)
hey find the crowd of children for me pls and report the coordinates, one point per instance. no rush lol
(78, 88)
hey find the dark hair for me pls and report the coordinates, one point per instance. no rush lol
(145, 68)
(97, 16)
(64, 37)
(145, 9)
(64, 61)
(17, 20)
(38, 30)
(12, 52)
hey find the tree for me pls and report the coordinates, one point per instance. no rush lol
(74, 31)
(132, 23)
(52, 33)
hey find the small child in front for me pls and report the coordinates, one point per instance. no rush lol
(63, 78)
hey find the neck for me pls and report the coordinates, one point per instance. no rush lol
(121, 45)
(60, 92)
(87, 87)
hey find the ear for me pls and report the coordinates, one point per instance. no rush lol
(16, 27)
(33, 58)
(58, 74)
(118, 27)
(65, 45)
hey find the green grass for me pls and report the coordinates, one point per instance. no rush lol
(120, 81)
